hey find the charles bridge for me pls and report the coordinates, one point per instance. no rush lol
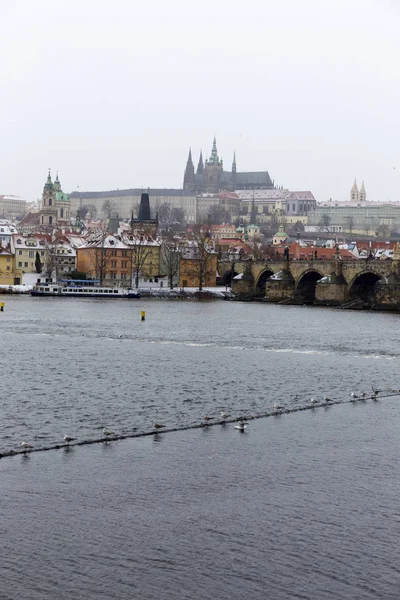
(360, 282)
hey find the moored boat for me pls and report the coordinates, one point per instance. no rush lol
(83, 289)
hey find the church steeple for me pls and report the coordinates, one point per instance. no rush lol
(57, 184)
(188, 178)
(234, 163)
(200, 166)
(354, 193)
(363, 193)
(49, 184)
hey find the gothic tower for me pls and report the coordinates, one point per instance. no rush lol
(200, 166)
(234, 170)
(189, 183)
(213, 170)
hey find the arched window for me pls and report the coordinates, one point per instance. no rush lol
(61, 213)
(50, 201)
(50, 220)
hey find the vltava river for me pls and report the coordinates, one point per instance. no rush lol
(299, 506)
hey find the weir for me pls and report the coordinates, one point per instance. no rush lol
(221, 422)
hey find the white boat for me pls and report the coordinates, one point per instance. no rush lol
(82, 290)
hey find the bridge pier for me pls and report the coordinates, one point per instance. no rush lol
(281, 285)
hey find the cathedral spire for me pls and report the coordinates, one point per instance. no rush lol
(234, 163)
(188, 178)
(200, 166)
(214, 160)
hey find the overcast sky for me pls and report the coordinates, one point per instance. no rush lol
(111, 93)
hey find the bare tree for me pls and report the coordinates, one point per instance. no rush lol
(140, 248)
(325, 221)
(100, 255)
(350, 223)
(108, 207)
(164, 213)
(178, 215)
(259, 250)
(92, 211)
(50, 266)
(170, 255)
(201, 252)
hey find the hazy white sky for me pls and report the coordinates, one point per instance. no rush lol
(113, 92)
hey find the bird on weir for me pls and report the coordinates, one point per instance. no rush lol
(25, 445)
(224, 415)
(158, 426)
(107, 432)
(68, 439)
(241, 425)
(207, 418)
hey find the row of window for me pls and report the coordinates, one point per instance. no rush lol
(126, 253)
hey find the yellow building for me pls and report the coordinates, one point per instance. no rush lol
(25, 248)
(192, 269)
(117, 262)
(8, 274)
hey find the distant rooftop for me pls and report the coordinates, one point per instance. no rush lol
(173, 192)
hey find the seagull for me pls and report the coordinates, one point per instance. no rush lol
(278, 407)
(107, 432)
(314, 400)
(224, 415)
(68, 439)
(327, 400)
(241, 425)
(25, 445)
(353, 397)
(362, 396)
(158, 426)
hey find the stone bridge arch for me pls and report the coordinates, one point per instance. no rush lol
(362, 285)
(306, 284)
(262, 278)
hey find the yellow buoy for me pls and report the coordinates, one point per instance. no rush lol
(2, 306)
(143, 315)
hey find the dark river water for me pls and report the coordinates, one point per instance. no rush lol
(304, 505)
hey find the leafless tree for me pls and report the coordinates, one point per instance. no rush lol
(50, 265)
(99, 255)
(259, 250)
(325, 221)
(201, 252)
(178, 215)
(170, 255)
(350, 223)
(218, 215)
(140, 245)
(108, 207)
(164, 213)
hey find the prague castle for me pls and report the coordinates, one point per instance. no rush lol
(210, 176)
